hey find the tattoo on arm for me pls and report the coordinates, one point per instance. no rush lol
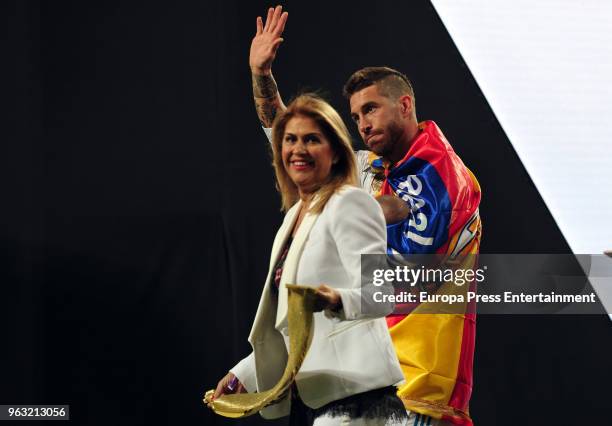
(264, 86)
(266, 111)
(267, 99)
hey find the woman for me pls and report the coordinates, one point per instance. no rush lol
(351, 368)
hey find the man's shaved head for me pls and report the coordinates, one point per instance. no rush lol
(391, 83)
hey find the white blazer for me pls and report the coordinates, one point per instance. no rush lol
(351, 351)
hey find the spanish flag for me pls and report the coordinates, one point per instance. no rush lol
(435, 350)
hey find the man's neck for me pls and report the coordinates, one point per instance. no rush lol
(403, 144)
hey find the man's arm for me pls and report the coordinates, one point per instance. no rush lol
(394, 209)
(268, 101)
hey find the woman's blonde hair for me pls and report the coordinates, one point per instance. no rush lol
(343, 172)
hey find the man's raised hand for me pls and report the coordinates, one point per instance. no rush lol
(266, 41)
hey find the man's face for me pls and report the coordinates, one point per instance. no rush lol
(378, 119)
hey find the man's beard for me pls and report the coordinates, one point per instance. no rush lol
(394, 132)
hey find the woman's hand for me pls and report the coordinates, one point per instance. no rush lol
(328, 298)
(228, 385)
(266, 41)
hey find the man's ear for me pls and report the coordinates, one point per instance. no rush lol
(406, 105)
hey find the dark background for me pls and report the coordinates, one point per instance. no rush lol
(138, 204)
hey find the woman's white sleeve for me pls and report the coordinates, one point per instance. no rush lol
(245, 371)
(358, 227)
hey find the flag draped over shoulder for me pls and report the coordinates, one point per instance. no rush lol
(435, 350)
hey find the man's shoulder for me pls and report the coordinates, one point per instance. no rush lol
(362, 154)
(436, 143)
(366, 174)
(363, 163)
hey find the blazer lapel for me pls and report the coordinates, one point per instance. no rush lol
(283, 234)
(291, 265)
(279, 243)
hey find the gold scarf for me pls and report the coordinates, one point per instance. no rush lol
(300, 308)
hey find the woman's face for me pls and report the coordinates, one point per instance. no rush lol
(307, 154)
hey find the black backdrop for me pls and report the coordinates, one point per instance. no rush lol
(138, 204)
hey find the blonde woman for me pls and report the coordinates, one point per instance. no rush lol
(350, 372)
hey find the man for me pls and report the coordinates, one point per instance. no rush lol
(430, 200)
